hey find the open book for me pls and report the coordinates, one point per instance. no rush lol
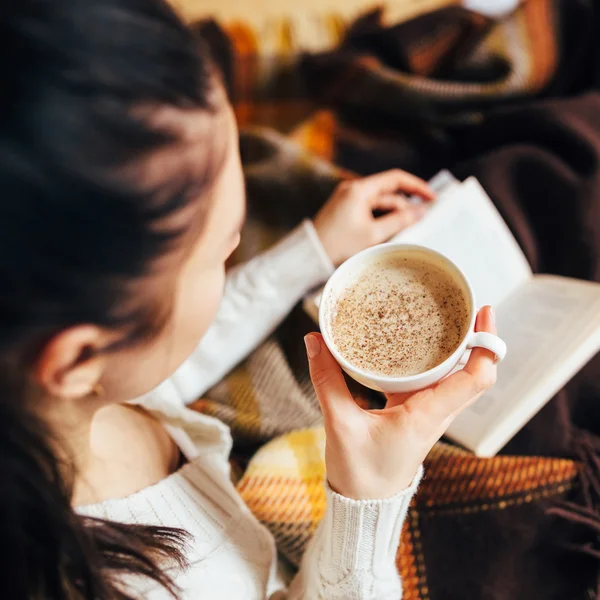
(551, 324)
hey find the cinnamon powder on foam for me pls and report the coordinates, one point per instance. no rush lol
(402, 317)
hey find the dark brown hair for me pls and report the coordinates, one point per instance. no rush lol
(73, 231)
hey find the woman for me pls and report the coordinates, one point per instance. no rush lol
(122, 197)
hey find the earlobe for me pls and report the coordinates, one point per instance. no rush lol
(70, 365)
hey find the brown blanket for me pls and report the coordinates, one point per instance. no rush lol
(535, 146)
(540, 163)
(410, 93)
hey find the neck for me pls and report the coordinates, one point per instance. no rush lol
(112, 450)
(70, 421)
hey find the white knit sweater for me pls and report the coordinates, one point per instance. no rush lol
(231, 555)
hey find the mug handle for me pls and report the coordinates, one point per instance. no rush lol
(489, 341)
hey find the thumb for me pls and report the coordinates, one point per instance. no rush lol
(328, 381)
(397, 220)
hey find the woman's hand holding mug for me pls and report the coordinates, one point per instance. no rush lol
(376, 453)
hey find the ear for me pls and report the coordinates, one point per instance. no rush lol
(71, 365)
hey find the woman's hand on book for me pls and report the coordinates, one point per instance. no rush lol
(376, 453)
(347, 224)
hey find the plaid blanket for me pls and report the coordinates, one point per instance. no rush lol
(446, 89)
(283, 486)
(372, 96)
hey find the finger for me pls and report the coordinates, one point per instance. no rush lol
(482, 362)
(393, 181)
(387, 202)
(453, 394)
(328, 381)
(395, 221)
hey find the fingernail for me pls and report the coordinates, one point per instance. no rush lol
(313, 346)
(492, 314)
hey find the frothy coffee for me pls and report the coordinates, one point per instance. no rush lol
(402, 316)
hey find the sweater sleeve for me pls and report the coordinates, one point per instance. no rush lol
(352, 555)
(258, 295)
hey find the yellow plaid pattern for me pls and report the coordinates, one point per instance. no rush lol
(283, 486)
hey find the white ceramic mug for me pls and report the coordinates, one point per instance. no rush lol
(347, 274)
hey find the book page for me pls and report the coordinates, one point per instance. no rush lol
(465, 226)
(551, 326)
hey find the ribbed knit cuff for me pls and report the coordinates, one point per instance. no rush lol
(363, 535)
(318, 246)
(288, 270)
